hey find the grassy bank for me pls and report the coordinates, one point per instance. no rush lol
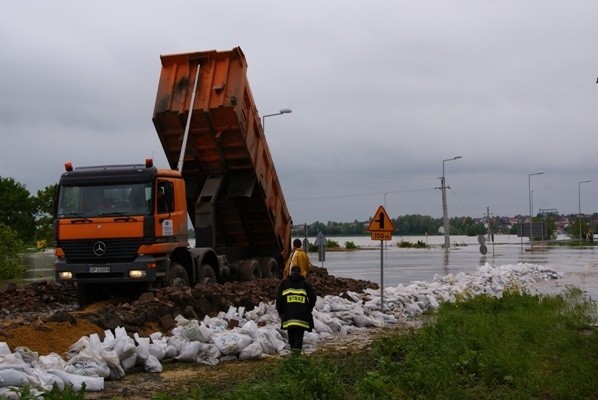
(516, 347)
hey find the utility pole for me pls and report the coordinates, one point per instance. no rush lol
(447, 240)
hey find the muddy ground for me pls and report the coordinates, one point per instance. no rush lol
(45, 318)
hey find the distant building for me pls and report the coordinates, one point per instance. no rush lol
(546, 211)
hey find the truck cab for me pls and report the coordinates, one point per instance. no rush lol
(118, 223)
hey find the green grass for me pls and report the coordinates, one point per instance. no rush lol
(516, 347)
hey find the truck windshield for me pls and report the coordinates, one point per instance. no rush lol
(102, 200)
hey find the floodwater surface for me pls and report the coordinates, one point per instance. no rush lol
(392, 265)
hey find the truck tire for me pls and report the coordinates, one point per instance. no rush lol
(250, 270)
(177, 276)
(269, 267)
(206, 275)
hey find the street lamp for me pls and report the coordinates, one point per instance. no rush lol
(531, 218)
(447, 241)
(283, 111)
(579, 199)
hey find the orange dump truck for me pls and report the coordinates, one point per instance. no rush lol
(119, 224)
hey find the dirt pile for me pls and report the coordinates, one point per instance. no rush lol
(34, 314)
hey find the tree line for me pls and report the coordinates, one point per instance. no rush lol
(420, 225)
(25, 221)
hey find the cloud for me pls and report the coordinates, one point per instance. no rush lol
(381, 94)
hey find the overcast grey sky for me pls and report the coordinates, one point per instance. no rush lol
(381, 93)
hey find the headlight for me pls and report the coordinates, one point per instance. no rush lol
(65, 275)
(136, 273)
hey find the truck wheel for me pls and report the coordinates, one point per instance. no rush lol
(269, 267)
(207, 275)
(250, 270)
(177, 277)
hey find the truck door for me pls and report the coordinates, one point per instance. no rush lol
(171, 211)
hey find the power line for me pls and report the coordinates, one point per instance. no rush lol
(357, 194)
(359, 184)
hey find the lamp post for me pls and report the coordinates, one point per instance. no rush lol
(579, 200)
(447, 240)
(531, 218)
(283, 111)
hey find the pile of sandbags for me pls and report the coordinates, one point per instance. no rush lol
(240, 335)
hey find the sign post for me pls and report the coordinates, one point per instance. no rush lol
(381, 228)
(321, 243)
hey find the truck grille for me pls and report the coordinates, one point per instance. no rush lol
(100, 250)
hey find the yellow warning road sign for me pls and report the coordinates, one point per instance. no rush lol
(381, 226)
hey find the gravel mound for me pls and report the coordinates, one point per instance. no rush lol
(43, 302)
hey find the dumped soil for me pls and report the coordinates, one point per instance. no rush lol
(45, 317)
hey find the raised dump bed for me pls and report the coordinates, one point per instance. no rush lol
(234, 197)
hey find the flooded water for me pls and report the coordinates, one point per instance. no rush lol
(40, 265)
(402, 265)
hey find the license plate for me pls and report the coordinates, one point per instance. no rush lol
(99, 269)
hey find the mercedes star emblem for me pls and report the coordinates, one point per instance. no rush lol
(99, 248)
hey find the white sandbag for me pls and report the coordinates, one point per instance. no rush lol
(142, 349)
(231, 342)
(275, 338)
(177, 342)
(157, 350)
(113, 362)
(77, 347)
(231, 313)
(189, 351)
(176, 331)
(13, 362)
(253, 351)
(160, 348)
(44, 379)
(92, 384)
(170, 352)
(215, 322)
(152, 364)
(27, 355)
(180, 320)
(335, 324)
(96, 342)
(190, 331)
(85, 366)
(4, 349)
(208, 354)
(13, 377)
(109, 339)
(251, 329)
(124, 347)
(310, 339)
(9, 393)
(120, 333)
(52, 360)
(205, 333)
(129, 362)
(321, 327)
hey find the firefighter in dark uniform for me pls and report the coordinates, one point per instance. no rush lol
(295, 300)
